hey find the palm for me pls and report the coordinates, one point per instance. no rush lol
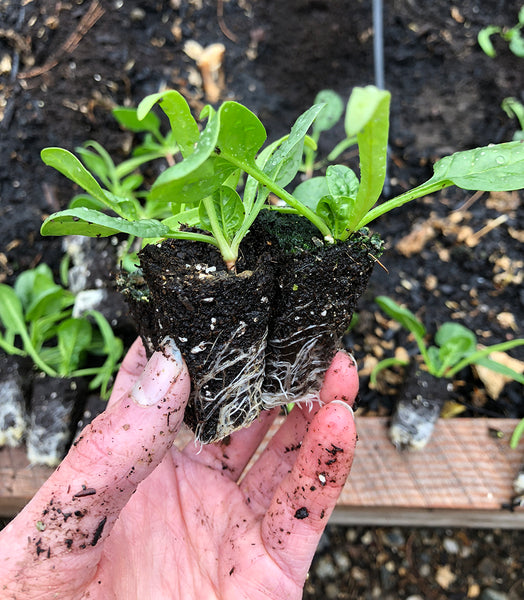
(180, 523)
(189, 506)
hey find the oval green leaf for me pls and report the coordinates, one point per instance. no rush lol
(92, 223)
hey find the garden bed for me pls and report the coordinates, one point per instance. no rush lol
(462, 478)
(66, 65)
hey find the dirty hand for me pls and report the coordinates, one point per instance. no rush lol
(126, 515)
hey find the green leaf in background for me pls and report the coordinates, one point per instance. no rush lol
(12, 313)
(497, 168)
(484, 39)
(493, 365)
(403, 315)
(456, 342)
(332, 112)
(127, 117)
(92, 223)
(74, 337)
(33, 282)
(183, 125)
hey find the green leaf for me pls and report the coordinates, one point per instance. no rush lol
(92, 223)
(74, 336)
(228, 208)
(241, 133)
(342, 181)
(86, 201)
(69, 165)
(364, 105)
(332, 112)
(190, 188)
(372, 139)
(433, 361)
(183, 124)
(403, 315)
(516, 45)
(12, 313)
(497, 168)
(500, 368)
(284, 163)
(310, 191)
(113, 348)
(456, 342)
(484, 39)
(193, 172)
(127, 117)
(49, 302)
(451, 333)
(29, 284)
(518, 432)
(336, 212)
(99, 163)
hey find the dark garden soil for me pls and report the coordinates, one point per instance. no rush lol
(453, 256)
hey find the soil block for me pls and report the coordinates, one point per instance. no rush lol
(218, 319)
(420, 401)
(12, 402)
(55, 407)
(318, 289)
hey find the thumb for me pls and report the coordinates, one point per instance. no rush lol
(76, 508)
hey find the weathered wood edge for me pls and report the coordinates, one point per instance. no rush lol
(462, 478)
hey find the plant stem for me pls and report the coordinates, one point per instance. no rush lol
(261, 177)
(228, 255)
(429, 187)
(476, 356)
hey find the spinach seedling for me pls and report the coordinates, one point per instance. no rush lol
(515, 109)
(201, 191)
(455, 346)
(37, 322)
(512, 35)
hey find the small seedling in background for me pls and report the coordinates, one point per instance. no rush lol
(515, 109)
(455, 346)
(37, 322)
(512, 35)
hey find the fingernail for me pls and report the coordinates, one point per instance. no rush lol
(161, 371)
(345, 405)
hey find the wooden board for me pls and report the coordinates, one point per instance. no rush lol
(462, 478)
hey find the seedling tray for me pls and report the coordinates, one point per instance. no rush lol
(462, 478)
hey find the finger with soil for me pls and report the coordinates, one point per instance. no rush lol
(78, 505)
(278, 458)
(303, 502)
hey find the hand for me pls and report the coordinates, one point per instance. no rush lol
(126, 515)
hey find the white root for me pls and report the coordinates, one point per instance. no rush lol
(239, 403)
(301, 380)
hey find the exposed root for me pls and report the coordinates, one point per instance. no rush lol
(237, 404)
(301, 380)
